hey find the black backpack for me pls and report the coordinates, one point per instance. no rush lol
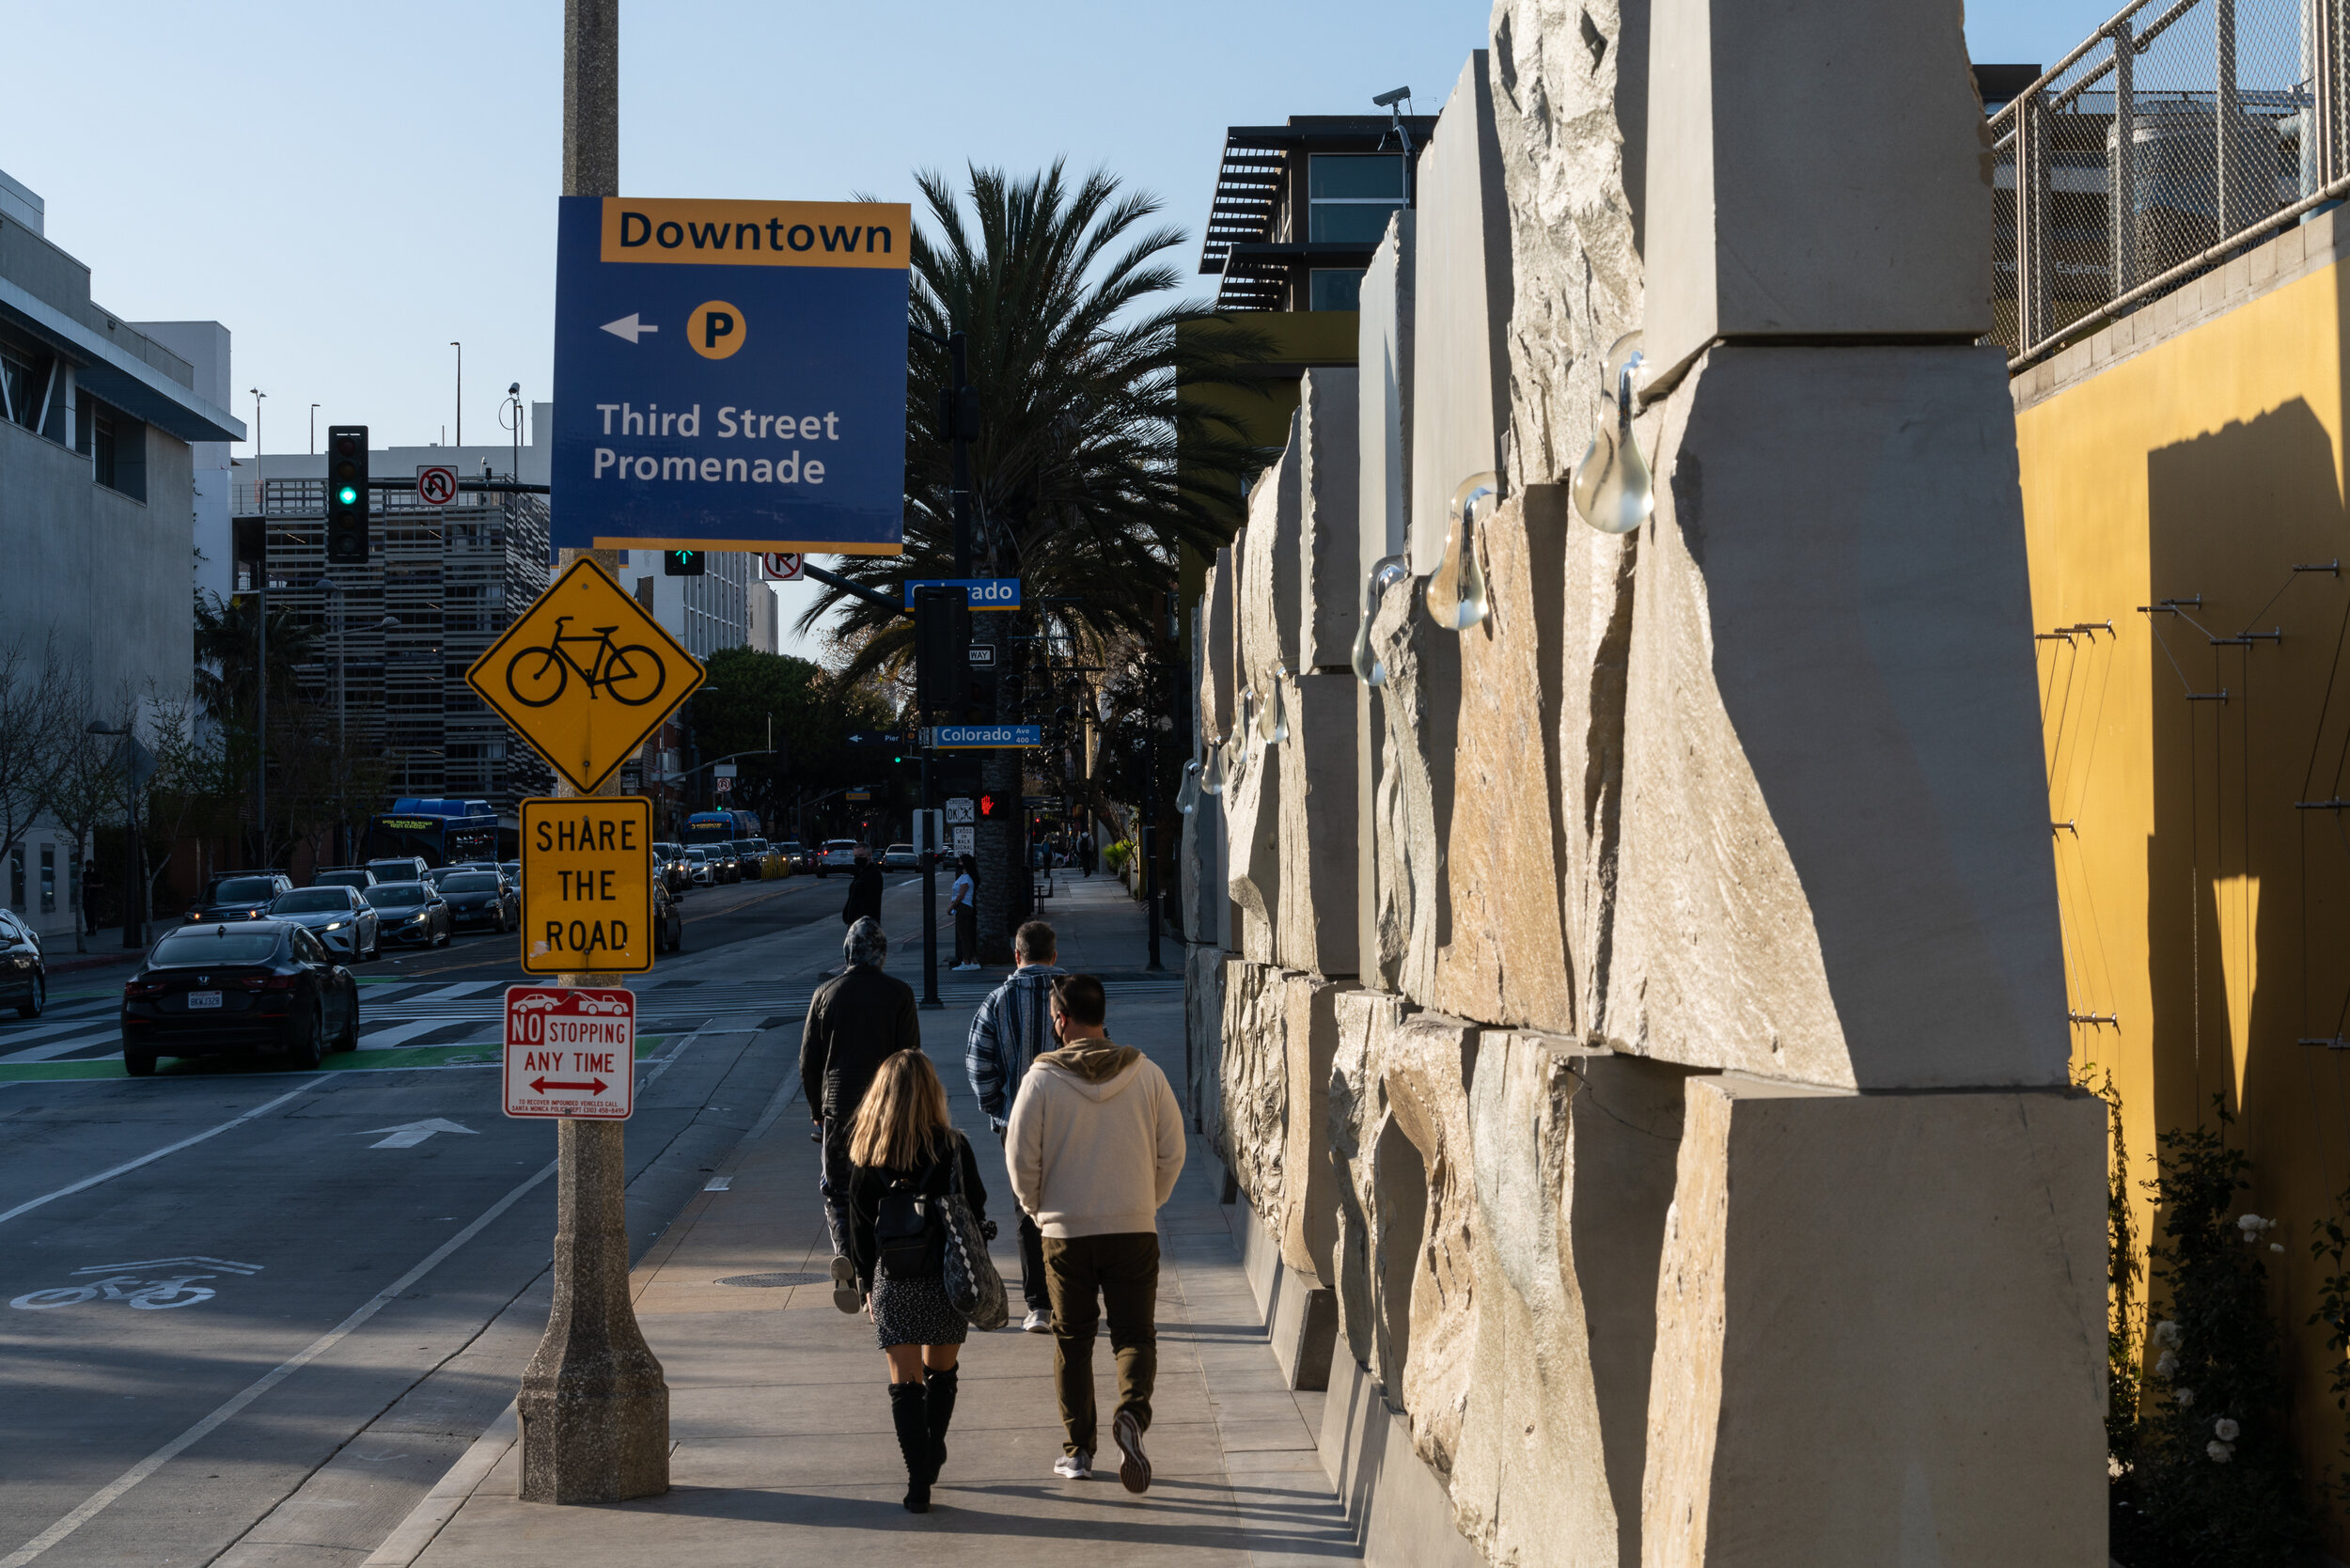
(910, 1227)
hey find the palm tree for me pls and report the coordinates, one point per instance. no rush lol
(228, 654)
(1077, 362)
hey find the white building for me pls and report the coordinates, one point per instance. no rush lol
(102, 425)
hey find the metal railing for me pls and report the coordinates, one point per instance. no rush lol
(2180, 133)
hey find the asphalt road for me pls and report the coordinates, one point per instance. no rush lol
(248, 1316)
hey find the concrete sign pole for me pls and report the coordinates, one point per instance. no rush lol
(594, 1409)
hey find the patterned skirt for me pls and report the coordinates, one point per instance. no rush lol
(915, 1312)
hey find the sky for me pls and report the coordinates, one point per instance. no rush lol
(350, 189)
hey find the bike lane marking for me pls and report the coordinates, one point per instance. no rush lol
(105, 1496)
(88, 1181)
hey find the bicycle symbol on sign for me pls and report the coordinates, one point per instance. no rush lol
(148, 1295)
(632, 673)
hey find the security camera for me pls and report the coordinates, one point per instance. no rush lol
(1390, 100)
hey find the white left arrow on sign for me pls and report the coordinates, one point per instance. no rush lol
(411, 1134)
(628, 327)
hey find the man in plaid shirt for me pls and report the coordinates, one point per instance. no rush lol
(1012, 1027)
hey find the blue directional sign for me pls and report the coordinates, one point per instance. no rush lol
(731, 375)
(983, 737)
(985, 593)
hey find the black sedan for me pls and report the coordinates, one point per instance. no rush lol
(23, 981)
(258, 987)
(412, 913)
(479, 899)
(243, 897)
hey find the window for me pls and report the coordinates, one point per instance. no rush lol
(48, 879)
(1335, 288)
(1349, 196)
(101, 448)
(19, 392)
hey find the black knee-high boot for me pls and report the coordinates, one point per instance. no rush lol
(942, 1387)
(910, 1410)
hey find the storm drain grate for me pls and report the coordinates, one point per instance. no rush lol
(774, 1281)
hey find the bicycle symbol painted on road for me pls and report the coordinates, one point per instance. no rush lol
(633, 673)
(157, 1293)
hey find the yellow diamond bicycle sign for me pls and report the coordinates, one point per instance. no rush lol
(586, 675)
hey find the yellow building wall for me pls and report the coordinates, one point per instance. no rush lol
(2206, 919)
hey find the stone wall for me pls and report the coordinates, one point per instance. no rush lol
(1639, 1039)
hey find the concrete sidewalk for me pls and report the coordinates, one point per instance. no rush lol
(779, 1410)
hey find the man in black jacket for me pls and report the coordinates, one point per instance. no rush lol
(864, 889)
(857, 1021)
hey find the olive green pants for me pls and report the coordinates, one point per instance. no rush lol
(1124, 1269)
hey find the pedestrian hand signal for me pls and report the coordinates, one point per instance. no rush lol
(987, 806)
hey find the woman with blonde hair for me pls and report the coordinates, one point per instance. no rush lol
(905, 1158)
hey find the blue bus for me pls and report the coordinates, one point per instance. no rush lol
(442, 831)
(718, 827)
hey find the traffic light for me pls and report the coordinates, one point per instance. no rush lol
(683, 563)
(346, 494)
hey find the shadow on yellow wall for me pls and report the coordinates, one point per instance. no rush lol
(2206, 906)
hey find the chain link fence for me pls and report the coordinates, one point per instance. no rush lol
(2181, 131)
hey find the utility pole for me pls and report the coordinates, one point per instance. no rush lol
(593, 1406)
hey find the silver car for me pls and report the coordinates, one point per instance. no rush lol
(338, 916)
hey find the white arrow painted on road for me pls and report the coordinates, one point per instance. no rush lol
(628, 327)
(414, 1133)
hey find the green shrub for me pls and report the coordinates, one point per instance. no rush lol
(2208, 1478)
(1116, 856)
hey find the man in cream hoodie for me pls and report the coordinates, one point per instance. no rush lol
(1095, 1143)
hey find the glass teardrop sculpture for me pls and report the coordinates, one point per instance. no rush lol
(1386, 572)
(1274, 722)
(1212, 770)
(1188, 798)
(1247, 725)
(1613, 492)
(1456, 590)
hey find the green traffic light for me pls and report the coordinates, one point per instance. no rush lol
(347, 495)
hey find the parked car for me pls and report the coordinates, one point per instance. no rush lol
(355, 877)
(338, 916)
(413, 914)
(838, 855)
(241, 896)
(899, 857)
(23, 981)
(479, 898)
(401, 867)
(263, 987)
(668, 921)
(699, 868)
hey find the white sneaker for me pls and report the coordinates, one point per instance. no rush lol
(1073, 1467)
(1037, 1322)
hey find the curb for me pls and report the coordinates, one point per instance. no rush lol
(449, 1493)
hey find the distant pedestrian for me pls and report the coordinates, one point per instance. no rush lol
(1085, 854)
(962, 903)
(1096, 1142)
(1012, 1029)
(857, 1021)
(905, 1157)
(864, 889)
